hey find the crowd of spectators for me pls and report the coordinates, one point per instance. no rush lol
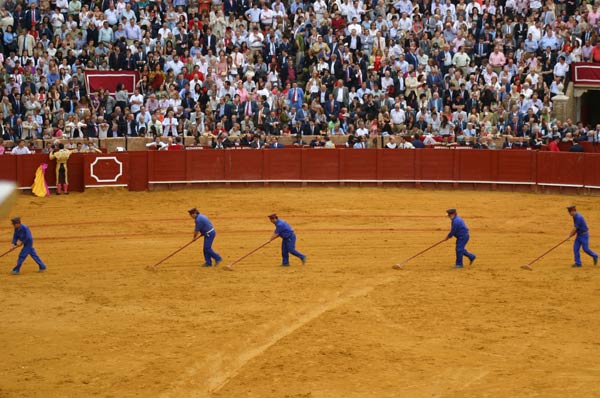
(244, 71)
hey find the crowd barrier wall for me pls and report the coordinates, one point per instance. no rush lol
(142, 170)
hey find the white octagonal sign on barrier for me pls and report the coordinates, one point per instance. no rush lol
(104, 159)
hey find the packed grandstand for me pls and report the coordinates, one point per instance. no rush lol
(240, 73)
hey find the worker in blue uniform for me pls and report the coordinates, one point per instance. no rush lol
(583, 237)
(205, 228)
(288, 240)
(460, 231)
(22, 234)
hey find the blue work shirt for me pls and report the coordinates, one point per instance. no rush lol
(203, 224)
(459, 228)
(23, 234)
(283, 229)
(580, 224)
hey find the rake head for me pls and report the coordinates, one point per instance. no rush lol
(397, 266)
(527, 267)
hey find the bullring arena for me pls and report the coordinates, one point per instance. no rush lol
(346, 324)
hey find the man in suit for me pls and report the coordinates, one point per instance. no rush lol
(576, 147)
(508, 143)
(19, 17)
(353, 41)
(295, 96)
(323, 94)
(273, 125)
(128, 62)
(237, 108)
(114, 58)
(275, 143)
(249, 108)
(210, 42)
(436, 102)
(435, 78)
(311, 128)
(181, 40)
(336, 47)
(335, 67)
(15, 101)
(411, 57)
(229, 6)
(270, 50)
(520, 31)
(332, 107)
(93, 34)
(32, 17)
(341, 94)
(243, 6)
(481, 51)
(25, 41)
(287, 46)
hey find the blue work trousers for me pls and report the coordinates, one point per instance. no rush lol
(288, 246)
(209, 253)
(582, 241)
(461, 251)
(28, 250)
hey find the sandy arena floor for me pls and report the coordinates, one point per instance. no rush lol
(346, 325)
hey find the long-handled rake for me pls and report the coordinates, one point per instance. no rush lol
(153, 267)
(400, 264)
(230, 266)
(528, 266)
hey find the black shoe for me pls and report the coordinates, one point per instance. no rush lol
(596, 260)
(576, 266)
(207, 265)
(472, 260)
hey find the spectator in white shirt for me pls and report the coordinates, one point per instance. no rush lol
(170, 125)
(405, 144)
(20, 149)
(136, 101)
(561, 68)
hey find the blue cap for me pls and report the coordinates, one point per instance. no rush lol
(451, 211)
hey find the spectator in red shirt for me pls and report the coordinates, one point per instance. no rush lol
(178, 146)
(595, 57)
(553, 146)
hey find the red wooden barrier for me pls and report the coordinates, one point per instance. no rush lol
(476, 166)
(591, 170)
(206, 165)
(244, 165)
(321, 164)
(106, 169)
(516, 166)
(556, 168)
(8, 168)
(435, 165)
(140, 170)
(283, 164)
(166, 166)
(396, 165)
(360, 164)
